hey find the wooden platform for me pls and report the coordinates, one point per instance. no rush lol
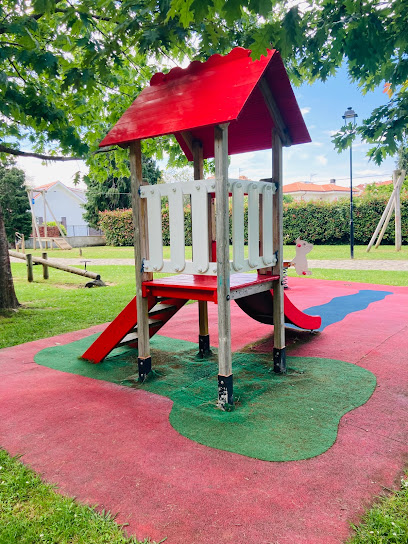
(191, 287)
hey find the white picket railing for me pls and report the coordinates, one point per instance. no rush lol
(198, 192)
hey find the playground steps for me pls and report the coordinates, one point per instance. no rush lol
(122, 331)
(61, 243)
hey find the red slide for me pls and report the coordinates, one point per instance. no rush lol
(260, 307)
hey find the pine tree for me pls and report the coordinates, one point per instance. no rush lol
(14, 202)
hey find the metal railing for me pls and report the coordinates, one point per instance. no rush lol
(82, 230)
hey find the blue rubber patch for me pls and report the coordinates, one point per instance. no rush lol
(339, 307)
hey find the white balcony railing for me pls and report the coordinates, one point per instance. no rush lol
(260, 252)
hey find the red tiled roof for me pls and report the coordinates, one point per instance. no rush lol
(222, 89)
(45, 187)
(362, 187)
(298, 186)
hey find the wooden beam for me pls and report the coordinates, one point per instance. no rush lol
(251, 290)
(278, 295)
(278, 122)
(34, 219)
(223, 266)
(188, 138)
(55, 219)
(386, 216)
(45, 223)
(141, 252)
(197, 149)
(398, 236)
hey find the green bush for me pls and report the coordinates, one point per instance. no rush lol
(329, 222)
(317, 222)
(117, 226)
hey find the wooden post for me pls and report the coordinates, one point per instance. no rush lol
(203, 337)
(398, 237)
(35, 226)
(279, 349)
(386, 216)
(45, 220)
(30, 275)
(56, 221)
(45, 267)
(139, 214)
(225, 383)
(30, 200)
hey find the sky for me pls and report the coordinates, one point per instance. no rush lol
(322, 106)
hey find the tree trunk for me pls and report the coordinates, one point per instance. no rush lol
(8, 299)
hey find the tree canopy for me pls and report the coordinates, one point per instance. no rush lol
(68, 70)
(14, 202)
(114, 192)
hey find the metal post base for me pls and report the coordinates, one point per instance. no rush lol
(145, 366)
(225, 392)
(279, 360)
(204, 349)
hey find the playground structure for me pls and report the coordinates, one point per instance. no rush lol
(60, 241)
(394, 203)
(227, 105)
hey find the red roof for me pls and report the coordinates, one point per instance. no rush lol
(222, 89)
(45, 187)
(314, 188)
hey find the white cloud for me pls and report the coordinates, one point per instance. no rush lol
(321, 159)
(316, 144)
(305, 111)
(330, 132)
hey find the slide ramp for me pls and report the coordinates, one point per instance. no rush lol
(260, 308)
(122, 331)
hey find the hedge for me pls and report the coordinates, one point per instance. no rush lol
(317, 222)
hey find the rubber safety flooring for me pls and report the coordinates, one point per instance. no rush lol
(114, 446)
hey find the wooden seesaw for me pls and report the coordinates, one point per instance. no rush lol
(30, 259)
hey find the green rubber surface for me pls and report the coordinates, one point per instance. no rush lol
(276, 417)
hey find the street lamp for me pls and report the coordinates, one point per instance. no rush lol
(350, 115)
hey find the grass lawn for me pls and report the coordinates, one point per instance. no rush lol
(30, 511)
(62, 304)
(318, 252)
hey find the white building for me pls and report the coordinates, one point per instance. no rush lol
(306, 191)
(66, 205)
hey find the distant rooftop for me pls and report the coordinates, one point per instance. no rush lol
(303, 186)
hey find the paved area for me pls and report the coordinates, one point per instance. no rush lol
(115, 446)
(343, 264)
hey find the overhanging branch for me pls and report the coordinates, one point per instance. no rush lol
(18, 153)
(59, 158)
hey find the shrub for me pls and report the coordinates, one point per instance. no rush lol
(329, 222)
(317, 222)
(117, 226)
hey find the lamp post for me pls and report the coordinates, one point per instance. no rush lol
(349, 115)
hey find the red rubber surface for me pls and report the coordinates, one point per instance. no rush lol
(114, 446)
